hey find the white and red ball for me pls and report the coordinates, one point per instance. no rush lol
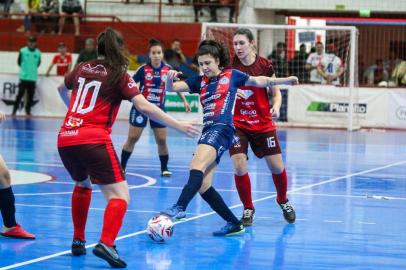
(160, 228)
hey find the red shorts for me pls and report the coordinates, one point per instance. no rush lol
(262, 143)
(99, 161)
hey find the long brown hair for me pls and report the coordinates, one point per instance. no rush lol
(110, 45)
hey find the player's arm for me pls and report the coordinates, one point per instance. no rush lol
(185, 103)
(276, 98)
(64, 92)
(173, 84)
(263, 81)
(156, 114)
(49, 69)
(320, 70)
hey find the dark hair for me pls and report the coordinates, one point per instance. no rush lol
(246, 32)
(215, 49)
(155, 42)
(281, 45)
(319, 43)
(110, 45)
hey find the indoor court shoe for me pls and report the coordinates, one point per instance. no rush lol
(230, 229)
(175, 212)
(17, 232)
(109, 254)
(247, 217)
(288, 211)
(78, 247)
(166, 173)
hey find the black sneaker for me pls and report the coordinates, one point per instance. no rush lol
(109, 254)
(78, 247)
(288, 211)
(247, 217)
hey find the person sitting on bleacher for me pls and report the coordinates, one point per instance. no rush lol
(70, 7)
(49, 20)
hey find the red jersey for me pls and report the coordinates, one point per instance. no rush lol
(94, 103)
(253, 112)
(62, 63)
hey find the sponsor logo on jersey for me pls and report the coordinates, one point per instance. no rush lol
(208, 114)
(155, 90)
(250, 113)
(247, 93)
(132, 83)
(69, 133)
(164, 77)
(139, 119)
(148, 76)
(153, 97)
(202, 84)
(224, 80)
(74, 122)
(211, 98)
(98, 69)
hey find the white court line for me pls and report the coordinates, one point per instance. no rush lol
(150, 181)
(206, 214)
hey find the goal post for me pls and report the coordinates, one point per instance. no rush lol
(330, 102)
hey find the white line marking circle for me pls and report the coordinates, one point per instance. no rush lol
(25, 177)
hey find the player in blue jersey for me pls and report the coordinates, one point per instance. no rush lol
(218, 90)
(151, 78)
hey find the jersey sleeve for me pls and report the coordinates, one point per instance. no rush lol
(194, 84)
(269, 69)
(240, 78)
(129, 87)
(139, 74)
(55, 59)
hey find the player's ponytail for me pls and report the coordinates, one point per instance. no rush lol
(215, 49)
(110, 46)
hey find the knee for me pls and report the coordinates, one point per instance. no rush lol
(240, 165)
(161, 142)
(205, 186)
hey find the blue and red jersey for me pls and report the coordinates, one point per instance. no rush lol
(152, 82)
(218, 95)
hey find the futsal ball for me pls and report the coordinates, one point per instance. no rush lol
(160, 228)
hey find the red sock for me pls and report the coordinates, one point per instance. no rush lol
(243, 184)
(113, 219)
(281, 185)
(80, 207)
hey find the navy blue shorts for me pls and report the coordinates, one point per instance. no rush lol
(219, 136)
(137, 119)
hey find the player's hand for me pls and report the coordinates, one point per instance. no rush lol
(173, 75)
(275, 112)
(294, 80)
(2, 116)
(240, 93)
(187, 107)
(188, 129)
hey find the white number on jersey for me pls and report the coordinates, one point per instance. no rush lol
(271, 142)
(82, 93)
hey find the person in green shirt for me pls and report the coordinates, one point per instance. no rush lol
(29, 60)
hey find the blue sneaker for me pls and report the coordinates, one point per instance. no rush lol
(175, 212)
(230, 229)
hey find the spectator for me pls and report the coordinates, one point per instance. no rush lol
(29, 60)
(70, 7)
(213, 6)
(376, 74)
(313, 61)
(297, 65)
(6, 6)
(62, 60)
(88, 53)
(399, 74)
(28, 7)
(330, 67)
(278, 58)
(49, 19)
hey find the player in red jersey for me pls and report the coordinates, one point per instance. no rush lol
(7, 203)
(62, 60)
(254, 122)
(84, 142)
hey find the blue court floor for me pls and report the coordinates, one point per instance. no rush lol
(349, 191)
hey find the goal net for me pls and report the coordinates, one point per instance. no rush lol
(323, 58)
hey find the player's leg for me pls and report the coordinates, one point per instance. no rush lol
(238, 153)
(216, 202)
(74, 159)
(30, 97)
(21, 91)
(137, 124)
(7, 206)
(105, 170)
(160, 139)
(203, 157)
(266, 145)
